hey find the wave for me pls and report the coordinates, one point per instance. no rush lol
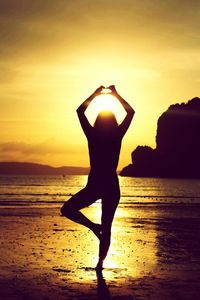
(36, 194)
(27, 202)
(160, 196)
(122, 196)
(133, 205)
(125, 204)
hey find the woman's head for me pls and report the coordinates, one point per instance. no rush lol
(105, 122)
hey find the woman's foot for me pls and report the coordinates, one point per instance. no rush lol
(97, 230)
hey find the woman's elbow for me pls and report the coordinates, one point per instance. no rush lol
(80, 111)
(131, 111)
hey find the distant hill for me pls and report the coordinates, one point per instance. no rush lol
(177, 153)
(25, 168)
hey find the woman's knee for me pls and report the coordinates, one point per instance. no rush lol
(66, 210)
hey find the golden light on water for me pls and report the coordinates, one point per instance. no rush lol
(105, 102)
(133, 250)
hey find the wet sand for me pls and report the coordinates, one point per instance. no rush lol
(155, 254)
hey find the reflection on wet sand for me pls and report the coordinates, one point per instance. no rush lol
(102, 288)
(132, 247)
(153, 251)
(154, 255)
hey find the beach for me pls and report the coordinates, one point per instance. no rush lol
(155, 253)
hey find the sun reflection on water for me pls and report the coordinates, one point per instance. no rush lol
(133, 245)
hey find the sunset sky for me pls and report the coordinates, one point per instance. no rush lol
(54, 54)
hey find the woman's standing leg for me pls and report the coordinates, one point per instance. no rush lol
(109, 205)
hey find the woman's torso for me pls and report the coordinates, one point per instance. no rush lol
(104, 154)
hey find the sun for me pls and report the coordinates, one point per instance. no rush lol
(105, 102)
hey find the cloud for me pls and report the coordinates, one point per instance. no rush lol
(7, 74)
(48, 152)
(44, 148)
(58, 26)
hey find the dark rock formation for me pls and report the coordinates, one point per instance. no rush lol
(177, 152)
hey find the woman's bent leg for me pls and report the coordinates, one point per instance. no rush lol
(71, 208)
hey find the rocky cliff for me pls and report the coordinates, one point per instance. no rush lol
(177, 152)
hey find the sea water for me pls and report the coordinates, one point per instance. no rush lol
(52, 191)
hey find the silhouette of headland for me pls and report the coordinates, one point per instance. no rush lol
(25, 168)
(177, 152)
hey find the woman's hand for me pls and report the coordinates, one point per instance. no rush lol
(125, 104)
(113, 90)
(86, 103)
(98, 91)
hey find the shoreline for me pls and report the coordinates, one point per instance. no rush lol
(154, 254)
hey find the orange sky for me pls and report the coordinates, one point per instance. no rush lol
(54, 54)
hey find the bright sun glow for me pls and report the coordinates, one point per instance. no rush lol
(105, 102)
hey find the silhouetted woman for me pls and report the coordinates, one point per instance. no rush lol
(104, 142)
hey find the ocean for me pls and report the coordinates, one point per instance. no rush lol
(154, 251)
(52, 191)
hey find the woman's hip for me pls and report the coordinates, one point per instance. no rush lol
(105, 188)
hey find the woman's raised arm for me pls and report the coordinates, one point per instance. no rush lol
(129, 110)
(82, 108)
